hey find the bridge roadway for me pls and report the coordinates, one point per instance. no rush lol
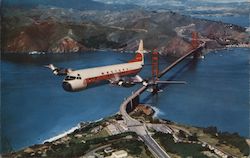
(138, 127)
(164, 71)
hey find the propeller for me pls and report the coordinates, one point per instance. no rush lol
(58, 71)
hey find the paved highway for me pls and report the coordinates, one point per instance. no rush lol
(154, 147)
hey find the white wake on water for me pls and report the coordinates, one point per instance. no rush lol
(158, 112)
(71, 130)
(62, 134)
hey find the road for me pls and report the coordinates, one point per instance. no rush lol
(92, 152)
(181, 30)
(154, 147)
(129, 120)
(139, 128)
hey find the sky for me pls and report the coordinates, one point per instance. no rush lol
(171, 1)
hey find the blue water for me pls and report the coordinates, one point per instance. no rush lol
(35, 107)
(241, 20)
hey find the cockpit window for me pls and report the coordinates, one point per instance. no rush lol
(70, 78)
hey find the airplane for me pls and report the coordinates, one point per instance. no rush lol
(124, 74)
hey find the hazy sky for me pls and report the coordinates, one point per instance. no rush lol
(171, 1)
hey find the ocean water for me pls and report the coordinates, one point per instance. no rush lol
(34, 107)
(240, 20)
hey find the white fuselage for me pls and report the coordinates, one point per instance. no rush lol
(80, 79)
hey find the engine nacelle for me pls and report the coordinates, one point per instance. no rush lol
(58, 71)
(124, 83)
(74, 85)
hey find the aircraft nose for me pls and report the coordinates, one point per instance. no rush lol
(67, 86)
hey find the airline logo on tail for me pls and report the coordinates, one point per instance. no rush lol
(139, 57)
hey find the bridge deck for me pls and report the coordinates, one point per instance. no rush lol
(164, 71)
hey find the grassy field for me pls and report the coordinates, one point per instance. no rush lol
(133, 146)
(231, 143)
(179, 149)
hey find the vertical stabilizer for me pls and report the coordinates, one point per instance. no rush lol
(140, 49)
(139, 54)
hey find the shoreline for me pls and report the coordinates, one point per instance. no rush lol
(60, 138)
(157, 113)
(69, 131)
(207, 50)
(62, 134)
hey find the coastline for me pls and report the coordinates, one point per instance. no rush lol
(204, 52)
(157, 112)
(90, 136)
(77, 134)
(69, 131)
(62, 134)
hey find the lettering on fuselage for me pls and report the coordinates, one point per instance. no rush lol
(110, 76)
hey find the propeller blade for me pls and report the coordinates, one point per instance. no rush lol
(50, 66)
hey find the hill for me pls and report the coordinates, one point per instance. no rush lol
(61, 29)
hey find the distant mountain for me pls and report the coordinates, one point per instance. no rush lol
(54, 29)
(190, 6)
(174, 2)
(74, 4)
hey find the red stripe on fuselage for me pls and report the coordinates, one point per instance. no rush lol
(110, 76)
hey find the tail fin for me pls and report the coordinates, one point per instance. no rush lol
(139, 54)
(140, 49)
